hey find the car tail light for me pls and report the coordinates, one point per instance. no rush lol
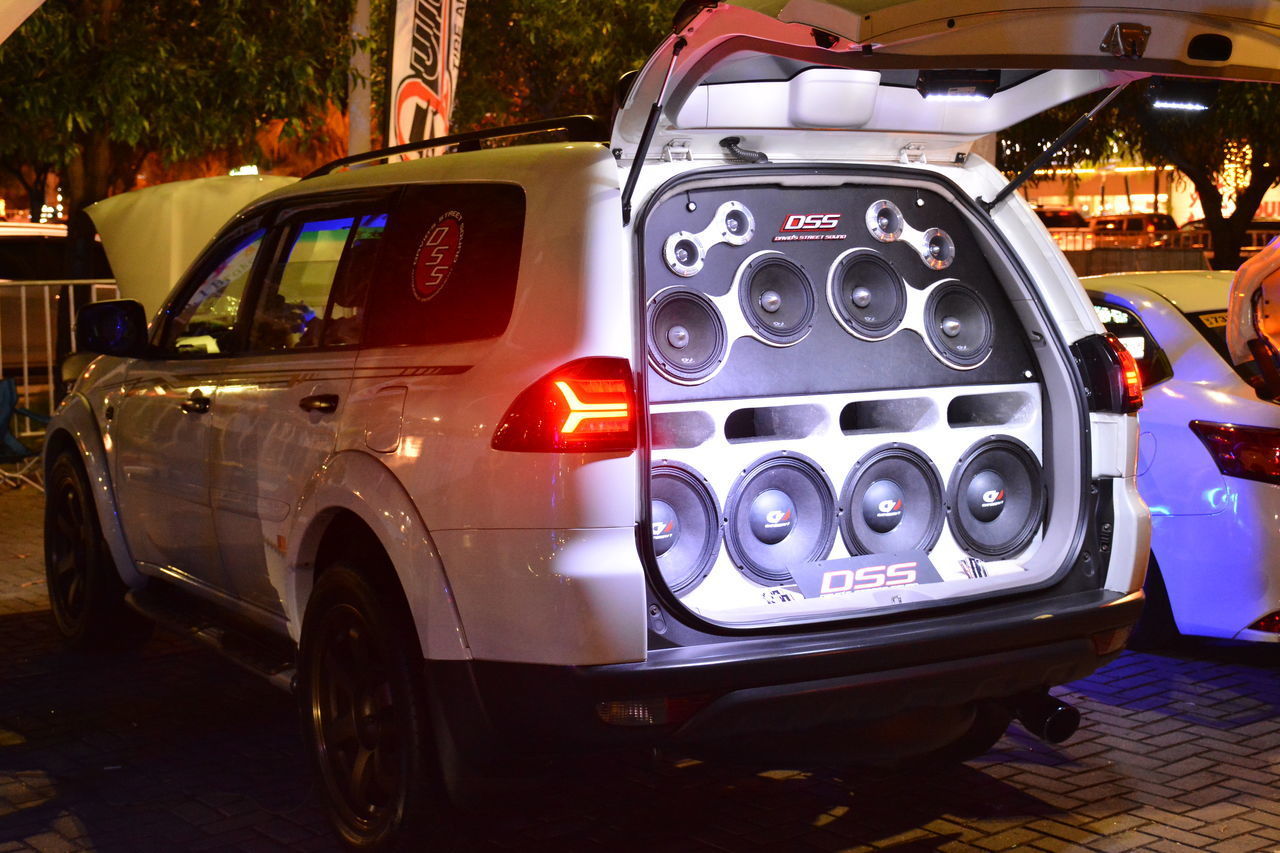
(1110, 374)
(1269, 623)
(588, 405)
(659, 711)
(1248, 452)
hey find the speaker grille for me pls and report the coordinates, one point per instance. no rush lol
(997, 498)
(958, 325)
(685, 524)
(867, 295)
(780, 512)
(686, 335)
(892, 501)
(777, 299)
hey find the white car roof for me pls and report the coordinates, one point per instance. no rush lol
(1192, 291)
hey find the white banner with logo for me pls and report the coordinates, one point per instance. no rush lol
(424, 55)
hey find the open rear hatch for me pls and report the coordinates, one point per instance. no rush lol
(859, 400)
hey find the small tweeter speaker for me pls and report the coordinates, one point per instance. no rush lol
(892, 501)
(684, 254)
(686, 524)
(884, 221)
(997, 498)
(687, 338)
(867, 294)
(938, 250)
(781, 512)
(958, 325)
(777, 299)
(738, 225)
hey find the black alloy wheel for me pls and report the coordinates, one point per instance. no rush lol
(361, 695)
(86, 594)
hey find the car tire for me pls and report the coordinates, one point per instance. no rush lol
(86, 593)
(363, 700)
(1156, 629)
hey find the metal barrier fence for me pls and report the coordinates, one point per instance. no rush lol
(28, 337)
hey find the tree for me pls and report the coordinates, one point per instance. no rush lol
(1233, 144)
(524, 60)
(91, 87)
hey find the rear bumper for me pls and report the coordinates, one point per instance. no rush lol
(780, 686)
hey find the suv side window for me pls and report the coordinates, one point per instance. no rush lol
(314, 294)
(448, 267)
(1153, 364)
(206, 323)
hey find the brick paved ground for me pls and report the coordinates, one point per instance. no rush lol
(174, 749)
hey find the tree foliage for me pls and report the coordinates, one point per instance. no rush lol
(524, 60)
(1204, 146)
(91, 87)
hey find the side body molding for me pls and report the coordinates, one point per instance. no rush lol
(358, 483)
(76, 420)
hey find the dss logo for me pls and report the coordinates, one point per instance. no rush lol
(811, 222)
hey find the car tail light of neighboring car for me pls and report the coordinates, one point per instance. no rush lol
(1248, 452)
(1269, 623)
(588, 405)
(1110, 374)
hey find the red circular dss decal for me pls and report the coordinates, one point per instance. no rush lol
(437, 256)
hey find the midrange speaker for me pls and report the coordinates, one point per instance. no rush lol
(781, 512)
(958, 325)
(777, 299)
(997, 498)
(892, 501)
(866, 294)
(687, 338)
(686, 524)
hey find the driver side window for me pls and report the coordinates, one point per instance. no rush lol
(206, 323)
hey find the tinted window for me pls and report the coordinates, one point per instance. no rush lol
(205, 322)
(1061, 219)
(448, 266)
(1153, 364)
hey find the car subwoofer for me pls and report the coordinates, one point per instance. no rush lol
(780, 512)
(687, 338)
(777, 299)
(867, 294)
(892, 501)
(997, 498)
(958, 325)
(686, 524)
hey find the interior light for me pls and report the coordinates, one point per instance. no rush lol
(959, 85)
(1183, 94)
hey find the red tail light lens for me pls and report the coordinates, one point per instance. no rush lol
(1248, 452)
(588, 405)
(1110, 374)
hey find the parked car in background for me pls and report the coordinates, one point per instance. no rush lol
(1208, 460)
(1067, 226)
(1194, 235)
(1132, 230)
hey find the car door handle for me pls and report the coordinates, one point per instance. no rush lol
(323, 403)
(196, 404)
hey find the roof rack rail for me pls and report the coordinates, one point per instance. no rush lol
(582, 128)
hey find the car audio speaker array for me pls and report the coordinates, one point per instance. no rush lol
(996, 495)
(781, 512)
(686, 252)
(892, 501)
(686, 524)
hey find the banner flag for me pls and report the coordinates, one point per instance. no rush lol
(425, 47)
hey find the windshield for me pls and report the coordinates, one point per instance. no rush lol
(1212, 325)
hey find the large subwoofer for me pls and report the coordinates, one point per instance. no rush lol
(685, 524)
(958, 324)
(687, 341)
(997, 498)
(892, 501)
(867, 294)
(780, 513)
(777, 299)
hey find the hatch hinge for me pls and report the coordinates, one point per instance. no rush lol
(1128, 41)
(912, 152)
(677, 150)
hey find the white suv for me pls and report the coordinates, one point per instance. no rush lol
(777, 441)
